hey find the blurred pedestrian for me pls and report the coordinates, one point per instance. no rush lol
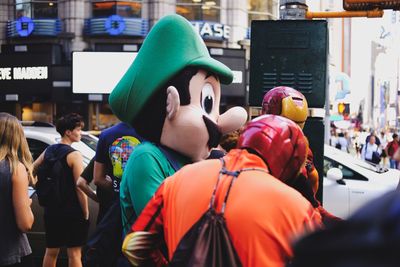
(16, 217)
(391, 148)
(66, 225)
(370, 151)
(333, 137)
(384, 142)
(341, 143)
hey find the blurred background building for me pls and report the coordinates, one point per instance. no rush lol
(363, 68)
(38, 38)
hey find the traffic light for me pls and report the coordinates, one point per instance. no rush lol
(354, 5)
(343, 108)
(340, 108)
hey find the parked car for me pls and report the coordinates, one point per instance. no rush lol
(39, 136)
(349, 183)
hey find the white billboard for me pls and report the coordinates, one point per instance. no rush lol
(99, 72)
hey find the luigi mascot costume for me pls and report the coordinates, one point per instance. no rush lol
(171, 96)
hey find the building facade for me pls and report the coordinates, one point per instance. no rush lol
(38, 40)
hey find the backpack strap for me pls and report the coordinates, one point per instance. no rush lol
(235, 175)
(57, 153)
(68, 149)
(171, 159)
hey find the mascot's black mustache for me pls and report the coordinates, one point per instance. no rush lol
(213, 132)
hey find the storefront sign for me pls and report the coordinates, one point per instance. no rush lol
(209, 30)
(24, 73)
(28, 74)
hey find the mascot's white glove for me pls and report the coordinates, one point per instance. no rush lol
(140, 248)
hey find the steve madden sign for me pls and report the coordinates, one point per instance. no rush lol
(209, 30)
(24, 73)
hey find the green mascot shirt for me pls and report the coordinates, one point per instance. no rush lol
(146, 169)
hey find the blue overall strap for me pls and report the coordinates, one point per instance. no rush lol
(171, 159)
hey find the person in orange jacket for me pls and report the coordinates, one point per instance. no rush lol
(290, 103)
(263, 215)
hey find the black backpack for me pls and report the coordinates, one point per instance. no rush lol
(207, 243)
(52, 181)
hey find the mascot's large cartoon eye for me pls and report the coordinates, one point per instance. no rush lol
(207, 98)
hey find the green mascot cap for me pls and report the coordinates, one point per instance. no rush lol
(171, 45)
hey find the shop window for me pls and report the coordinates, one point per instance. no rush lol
(101, 116)
(129, 9)
(37, 9)
(262, 10)
(202, 10)
(37, 112)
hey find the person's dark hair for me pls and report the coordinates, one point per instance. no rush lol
(341, 135)
(229, 141)
(395, 135)
(69, 122)
(150, 120)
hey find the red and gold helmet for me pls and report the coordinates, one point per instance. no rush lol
(287, 102)
(279, 141)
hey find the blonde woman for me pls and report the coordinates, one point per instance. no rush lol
(16, 217)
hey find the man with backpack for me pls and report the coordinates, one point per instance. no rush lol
(66, 211)
(234, 211)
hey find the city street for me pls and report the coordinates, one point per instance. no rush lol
(306, 92)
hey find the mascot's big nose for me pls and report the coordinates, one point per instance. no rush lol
(232, 119)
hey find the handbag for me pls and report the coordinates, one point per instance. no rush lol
(376, 157)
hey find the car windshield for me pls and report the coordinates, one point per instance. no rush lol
(89, 141)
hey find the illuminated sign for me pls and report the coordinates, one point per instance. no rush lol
(24, 73)
(209, 30)
(24, 26)
(115, 25)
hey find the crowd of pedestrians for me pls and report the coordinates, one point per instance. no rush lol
(378, 149)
